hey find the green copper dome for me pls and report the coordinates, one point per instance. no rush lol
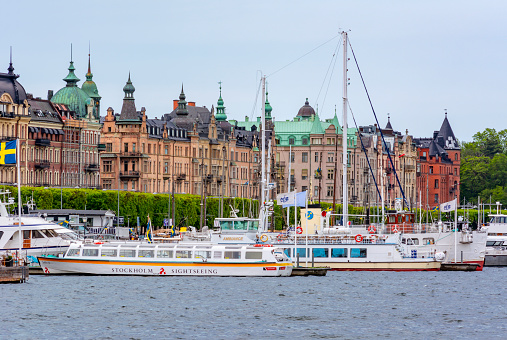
(220, 115)
(71, 95)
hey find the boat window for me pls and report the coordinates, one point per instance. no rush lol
(300, 251)
(26, 234)
(165, 253)
(36, 234)
(1, 234)
(73, 252)
(183, 254)
(498, 243)
(235, 255)
(338, 252)
(240, 225)
(48, 233)
(490, 243)
(127, 252)
(217, 254)
(429, 240)
(320, 252)
(108, 252)
(412, 241)
(357, 252)
(287, 252)
(146, 253)
(255, 225)
(226, 225)
(253, 255)
(90, 252)
(202, 254)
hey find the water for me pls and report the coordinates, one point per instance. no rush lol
(349, 305)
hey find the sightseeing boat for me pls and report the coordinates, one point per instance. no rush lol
(184, 259)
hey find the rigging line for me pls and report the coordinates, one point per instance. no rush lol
(304, 55)
(329, 84)
(364, 150)
(256, 99)
(378, 124)
(329, 67)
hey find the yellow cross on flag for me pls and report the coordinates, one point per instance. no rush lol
(8, 152)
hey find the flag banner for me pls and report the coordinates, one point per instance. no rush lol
(448, 206)
(300, 200)
(285, 199)
(8, 152)
(149, 236)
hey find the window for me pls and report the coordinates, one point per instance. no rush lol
(304, 141)
(184, 254)
(108, 166)
(126, 147)
(431, 169)
(253, 255)
(316, 157)
(330, 157)
(90, 252)
(330, 141)
(315, 191)
(436, 198)
(304, 157)
(127, 252)
(304, 174)
(232, 255)
(358, 252)
(202, 254)
(428, 241)
(292, 157)
(436, 184)
(133, 147)
(299, 251)
(339, 252)
(424, 153)
(317, 141)
(320, 252)
(291, 141)
(108, 252)
(109, 147)
(330, 173)
(330, 191)
(72, 252)
(217, 254)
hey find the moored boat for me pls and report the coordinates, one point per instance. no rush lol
(183, 259)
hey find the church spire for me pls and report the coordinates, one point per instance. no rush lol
(221, 115)
(71, 78)
(182, 104)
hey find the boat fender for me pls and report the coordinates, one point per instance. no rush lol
(358, 238)
(264, 237)
(299, 230)
(371, 229)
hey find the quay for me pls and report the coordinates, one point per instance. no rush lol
(13, 274)
(309, 271)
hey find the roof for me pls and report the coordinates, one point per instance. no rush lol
(306, 110)
(446, 137)
(43, 110)
(9, 84)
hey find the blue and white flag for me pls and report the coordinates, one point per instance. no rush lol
(8, 152)
(285, 199)
(300, 200)
(448, 206)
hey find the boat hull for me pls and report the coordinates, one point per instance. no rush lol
(382, 266)
(159, 268)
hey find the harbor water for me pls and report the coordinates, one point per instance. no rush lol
(349, 305)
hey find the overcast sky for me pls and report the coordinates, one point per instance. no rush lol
(418, 58)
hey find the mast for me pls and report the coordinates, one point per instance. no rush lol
(263, 149)
(344, 134)
(288, 186)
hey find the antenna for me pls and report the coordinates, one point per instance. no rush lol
(71, 52)
(11, 54)
(445, 110)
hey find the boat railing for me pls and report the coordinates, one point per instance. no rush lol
(332, 240)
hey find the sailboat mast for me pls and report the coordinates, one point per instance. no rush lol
(344, 134)
(263, 149)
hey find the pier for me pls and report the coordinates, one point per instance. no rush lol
(13, 274)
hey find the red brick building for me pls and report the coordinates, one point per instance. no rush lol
(438, 167)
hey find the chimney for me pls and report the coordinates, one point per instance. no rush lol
(175, 104)
(191, 103)
(50, 94)
(435, 134)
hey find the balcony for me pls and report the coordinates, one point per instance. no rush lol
(101, 147)
(129, 174)
(7, 114)
(92, 167)
(42, 142)
(166, 175)
(42, 164)
(131, 154)
(409, 168)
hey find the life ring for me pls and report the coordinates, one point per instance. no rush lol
(372, 229)
(358, 238)
(299, 230)
(264, 237)
(394, 229)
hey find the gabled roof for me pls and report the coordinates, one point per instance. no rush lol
(447, 140)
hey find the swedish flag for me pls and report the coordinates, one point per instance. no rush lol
(148, 231)
(8, 152)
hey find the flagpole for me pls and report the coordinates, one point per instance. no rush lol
(455, 231)
(19, 198)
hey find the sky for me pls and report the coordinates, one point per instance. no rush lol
(418, 58)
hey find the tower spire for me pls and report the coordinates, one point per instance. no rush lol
(11, 68)
(220, 116)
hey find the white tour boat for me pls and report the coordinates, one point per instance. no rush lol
(182, 259)
(496, 245)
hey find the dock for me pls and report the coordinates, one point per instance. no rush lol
(462, 267)
(309, 271)
(13, 274)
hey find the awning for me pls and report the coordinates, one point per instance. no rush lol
(60, 131)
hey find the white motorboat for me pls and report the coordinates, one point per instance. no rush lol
(38, 236)
(496, 244)
(185, 259)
